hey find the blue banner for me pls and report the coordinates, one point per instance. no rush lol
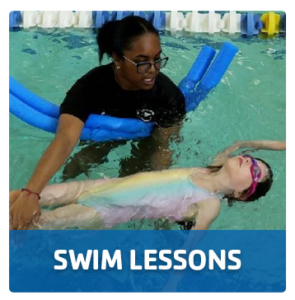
(147, 261)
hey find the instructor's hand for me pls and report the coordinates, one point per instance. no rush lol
(23, 211)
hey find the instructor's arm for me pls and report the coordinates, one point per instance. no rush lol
(26, 207)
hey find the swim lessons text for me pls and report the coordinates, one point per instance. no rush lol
(151, 260)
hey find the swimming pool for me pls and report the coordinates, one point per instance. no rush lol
(249, 103)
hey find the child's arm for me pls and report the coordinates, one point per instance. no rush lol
(258, 145)
(266, 145)
(208, 211)
(221, 157)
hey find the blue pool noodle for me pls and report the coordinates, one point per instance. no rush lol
(52, 110)
(197, 71)
(30, 115)
(212, 76)
(218, 67)
(44, 115)
(49, 124)
(32, 100)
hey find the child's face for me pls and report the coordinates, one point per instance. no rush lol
(241, 173)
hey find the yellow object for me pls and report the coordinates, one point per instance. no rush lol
(271, 23)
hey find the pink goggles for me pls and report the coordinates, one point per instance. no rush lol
(255, 173)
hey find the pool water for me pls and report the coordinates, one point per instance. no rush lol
(248, 104)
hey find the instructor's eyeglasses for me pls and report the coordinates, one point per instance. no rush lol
(144, 67)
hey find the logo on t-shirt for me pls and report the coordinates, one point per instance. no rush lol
(146, 115)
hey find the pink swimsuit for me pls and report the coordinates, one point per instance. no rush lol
(151, 195)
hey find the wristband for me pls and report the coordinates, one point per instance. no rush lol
(30, 192)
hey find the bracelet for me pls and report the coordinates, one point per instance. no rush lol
(30, 192)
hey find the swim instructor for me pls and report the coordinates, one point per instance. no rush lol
(132, 86)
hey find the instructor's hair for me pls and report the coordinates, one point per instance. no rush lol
(117, 36)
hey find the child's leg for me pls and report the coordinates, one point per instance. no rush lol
(67, 193)
(63, 193)
(69, 216)
(58, 194)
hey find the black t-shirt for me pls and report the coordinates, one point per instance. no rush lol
(97, 92)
